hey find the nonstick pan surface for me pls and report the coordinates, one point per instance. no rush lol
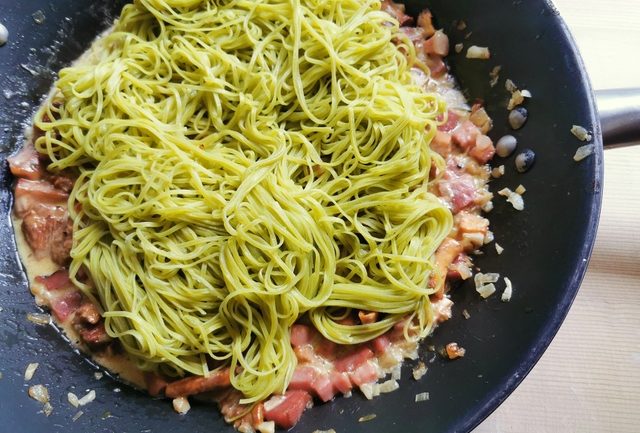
(547, 246)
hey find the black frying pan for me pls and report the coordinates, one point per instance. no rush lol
(547, 246)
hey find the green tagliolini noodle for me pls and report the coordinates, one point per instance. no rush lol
(241, 164)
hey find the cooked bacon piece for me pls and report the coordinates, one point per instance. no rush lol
(471, 223)
(304, 353)
(325, 347)
(301, 334)
(446, 253)
(48, 230)
(425, 21)
(30, 194)
(63, 182)
(354, 360)
(460, 268)
(454, 351)
(367, 316)
(155, 383)
(311, 380)
(465, 134)
(340, 381)
(459, 190)
(483, 149)
(26, 163)
(56, 281)
(87, 314)
(480, 118)
(381, 344)
(397, 10)
(323, 387)
(436, 65)
(303, 378)
(197, 384)
(441, 143)
(438, 44)
(65, 305)
(451, 123)
(287, 412)
(415, 34)
(95, 336)
(61, 243)
(229, 402)
(257, 414)
(365, 373)
(469, 137)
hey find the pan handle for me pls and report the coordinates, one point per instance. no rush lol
(619, 116)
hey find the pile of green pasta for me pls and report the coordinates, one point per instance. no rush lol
(242, 164)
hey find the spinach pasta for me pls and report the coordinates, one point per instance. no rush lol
(244, 164)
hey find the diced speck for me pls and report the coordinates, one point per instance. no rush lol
(524, 160)
(506, 145)
(518, 117)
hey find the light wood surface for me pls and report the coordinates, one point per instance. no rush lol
(589, 378)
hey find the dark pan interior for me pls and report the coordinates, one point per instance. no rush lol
(547, 246)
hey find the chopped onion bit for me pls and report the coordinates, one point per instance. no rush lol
(396, 372)
(512, 197)
(270, 427)
(30, 371)
(583, 152)
(420, 370)
(510, 86)
(39, 393)
(581, 133)
(497, 172)
(325, 431)
(499, 248)
(488, 237)
(98, 375)
(508, 290)
(459, 47)
(495, 75)
(423, 396)
(481, 279)
(454, 351)
(388, 386)
(521, 189)
(181, 405)
(77, 415)
(517, 98)
(486, 290)
(47, 409)
(91, 395)
(476, 52)
(73, 399)
(39, 318)
(367, 417)
(368, 390)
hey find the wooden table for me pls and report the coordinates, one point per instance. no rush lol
(589, 378)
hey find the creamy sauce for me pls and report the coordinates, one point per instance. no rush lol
(119, 365)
